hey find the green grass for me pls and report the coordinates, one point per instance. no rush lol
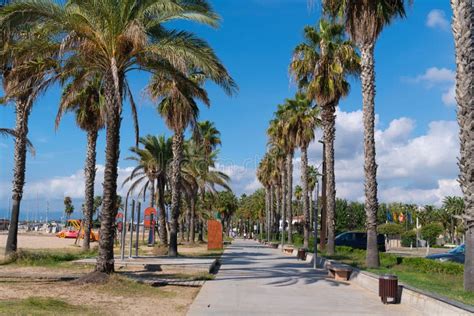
(199, 276)
(446, 284)
(119, 285)
(205, 253)
(47, 258)
(41, 306)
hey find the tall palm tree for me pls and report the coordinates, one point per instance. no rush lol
(27, 64)
(320, 65)
(151, 173)
(85, 97)
(264, 171)
(200, 178)
(303, 120)
(279, 136)
(278, 180)
(179, 109)
(463, 30)
(114, 44)
(208, 137)
(364, 21)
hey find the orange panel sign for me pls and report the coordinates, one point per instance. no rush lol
(214, 235)
(148, 214)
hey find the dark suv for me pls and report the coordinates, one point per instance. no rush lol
(358, 240)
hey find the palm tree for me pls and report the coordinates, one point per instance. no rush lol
(152, 172)
(68, 207)
(264, 171)
(463, 15)
(364, 21)
(199, 177)
(320, 65)
(280, 133)
(113, 44)
(179, 109)
(84, 96)
(303, 119)
(281, 143)
(27, 63)
(208, 137)
(454, 208)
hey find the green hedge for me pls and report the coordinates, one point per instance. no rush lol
(433, 266)
(409, 238)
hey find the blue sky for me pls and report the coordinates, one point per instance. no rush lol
(414, 65)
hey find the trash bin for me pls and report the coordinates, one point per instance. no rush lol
(302, 254)
(388, 287)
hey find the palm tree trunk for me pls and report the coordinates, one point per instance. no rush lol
(289, 197)
(105, 259)
(163, 232)
(323, 231)
(463, 30)
(201, 230)
(192, 219)
(175, 192)
(311, 211)
(329, 127)
(181, 229)
(152, 192)
(304, 182)
(21, 130)
(283, 205)
(370, 166)
(278, 208)
(272, 210)
(89, 173)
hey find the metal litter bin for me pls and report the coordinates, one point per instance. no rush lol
(388, 287)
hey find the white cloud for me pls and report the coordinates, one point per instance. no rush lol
(412, 168)
(434, 75)
(449, 97)
(442, 78)
(416, 169)
(437, 19)
(61, 186)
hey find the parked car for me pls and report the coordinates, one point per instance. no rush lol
(454, 255)
(358, 240)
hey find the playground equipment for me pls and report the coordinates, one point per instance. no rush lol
(75, 229)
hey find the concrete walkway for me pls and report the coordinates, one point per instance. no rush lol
(255, 280)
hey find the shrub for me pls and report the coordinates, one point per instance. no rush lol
(430, 232)
(432, 266)
(390, 229)
(409, 238)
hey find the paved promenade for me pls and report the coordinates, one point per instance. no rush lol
(255, 280)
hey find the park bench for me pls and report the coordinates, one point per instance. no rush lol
(339, 272)
(288, 250)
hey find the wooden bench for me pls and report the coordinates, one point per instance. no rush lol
(339, 273)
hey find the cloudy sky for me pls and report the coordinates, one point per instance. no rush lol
(417, 142)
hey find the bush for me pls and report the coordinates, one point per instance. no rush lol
(390, 229)
(430, 232)
(432, 266)
(409, 238)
